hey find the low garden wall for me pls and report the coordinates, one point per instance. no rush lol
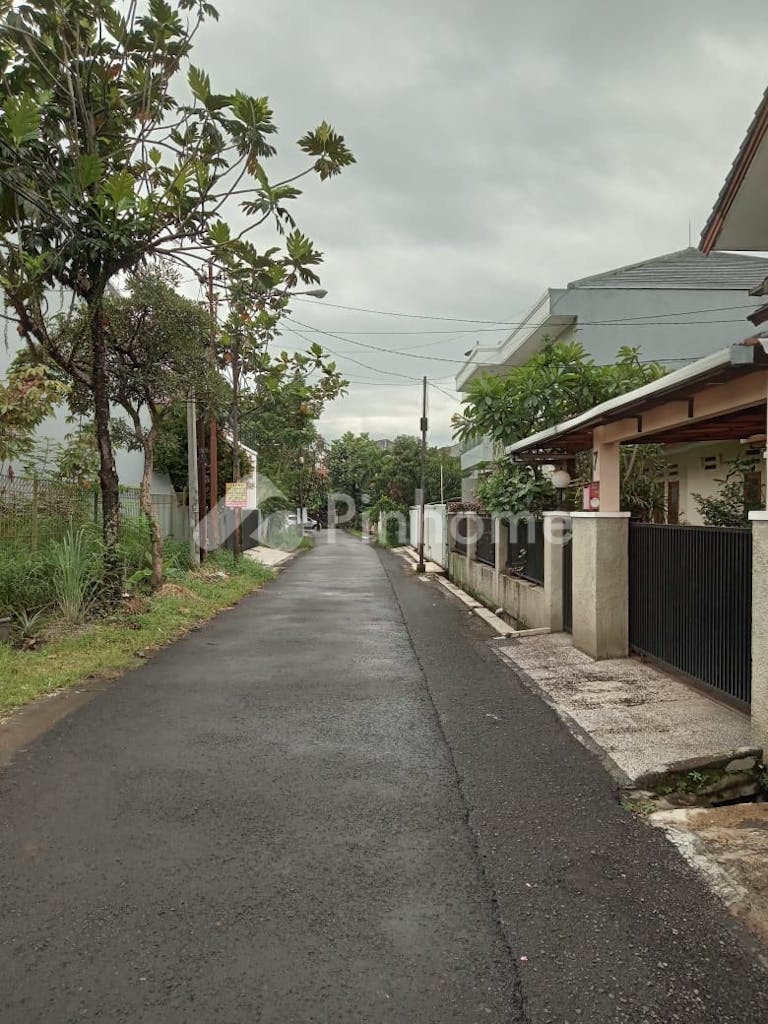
(524, 602)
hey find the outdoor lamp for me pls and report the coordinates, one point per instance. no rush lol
(561, 478)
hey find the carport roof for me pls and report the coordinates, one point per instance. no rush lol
(684, 385)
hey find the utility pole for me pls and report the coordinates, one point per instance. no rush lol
(193, 495)
(213, 540)
(235, 425)
(420, 567)
(301, 495)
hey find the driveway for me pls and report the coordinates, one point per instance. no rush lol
(335, 804)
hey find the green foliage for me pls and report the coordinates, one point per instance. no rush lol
(642, 482)
(515, 489)
(735, 499)
(29, 394)
(78, 457)
(359, 467)
(555, 385)
(106, 163)
(75, 576)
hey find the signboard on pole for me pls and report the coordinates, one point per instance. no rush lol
(236, 494)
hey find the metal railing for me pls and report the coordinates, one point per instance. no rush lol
(485, 548)
(525, 550)
(460, 536)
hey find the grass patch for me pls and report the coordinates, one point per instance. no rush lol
(110, 646)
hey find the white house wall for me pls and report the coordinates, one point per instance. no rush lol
(696, 477)
(673, 330)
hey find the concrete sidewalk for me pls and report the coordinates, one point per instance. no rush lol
(641, 717)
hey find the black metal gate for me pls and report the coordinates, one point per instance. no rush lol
(690, 602)
(568, 586)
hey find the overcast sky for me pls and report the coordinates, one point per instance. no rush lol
(503, 147)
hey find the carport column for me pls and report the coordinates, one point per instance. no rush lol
(760, 628)
(601, 583)
(557, 530)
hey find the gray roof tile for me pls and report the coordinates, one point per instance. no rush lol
(688, 268)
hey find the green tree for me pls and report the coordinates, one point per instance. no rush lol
(157, 343)
(354, 465)
(555, 385)
(102, 166)
(400, 473)
(29, 394)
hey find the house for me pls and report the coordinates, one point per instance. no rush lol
(691, 598)
(676, 308)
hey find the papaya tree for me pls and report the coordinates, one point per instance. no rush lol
(115, 149)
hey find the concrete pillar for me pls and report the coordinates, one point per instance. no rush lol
(557, 530)
(601, 583)
(760, 628)
(607, 470)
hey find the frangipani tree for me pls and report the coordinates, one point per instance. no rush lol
(114, 148)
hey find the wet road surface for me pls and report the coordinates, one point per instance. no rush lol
(334, 804)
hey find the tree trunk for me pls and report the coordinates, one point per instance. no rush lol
(145, 500)
(110, 496)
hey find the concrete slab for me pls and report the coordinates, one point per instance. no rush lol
(410, 555)
(639, 716)
(271, 557)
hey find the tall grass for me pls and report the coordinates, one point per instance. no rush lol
(76, 565)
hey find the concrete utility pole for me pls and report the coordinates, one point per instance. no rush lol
(213, 540)
(193, 485)
(420, 567)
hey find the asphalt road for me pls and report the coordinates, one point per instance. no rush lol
(335, 804)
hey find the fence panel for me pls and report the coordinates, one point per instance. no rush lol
(690, 602)
(525, 551)
(460, 538)
(485, 549)
(35, 512)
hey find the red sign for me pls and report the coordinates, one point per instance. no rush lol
(591, 497)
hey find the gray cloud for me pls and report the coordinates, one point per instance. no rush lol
(502, 147)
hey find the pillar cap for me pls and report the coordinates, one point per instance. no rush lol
(600, 515)
(555, 513)
(759, 516)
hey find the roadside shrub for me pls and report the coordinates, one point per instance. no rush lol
(176, 556)
(25, 580)
(135, 545)
(76, 565)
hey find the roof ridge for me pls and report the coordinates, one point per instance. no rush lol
(689, 253)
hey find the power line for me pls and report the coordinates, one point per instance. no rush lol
(521, 323)
(343, 355)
